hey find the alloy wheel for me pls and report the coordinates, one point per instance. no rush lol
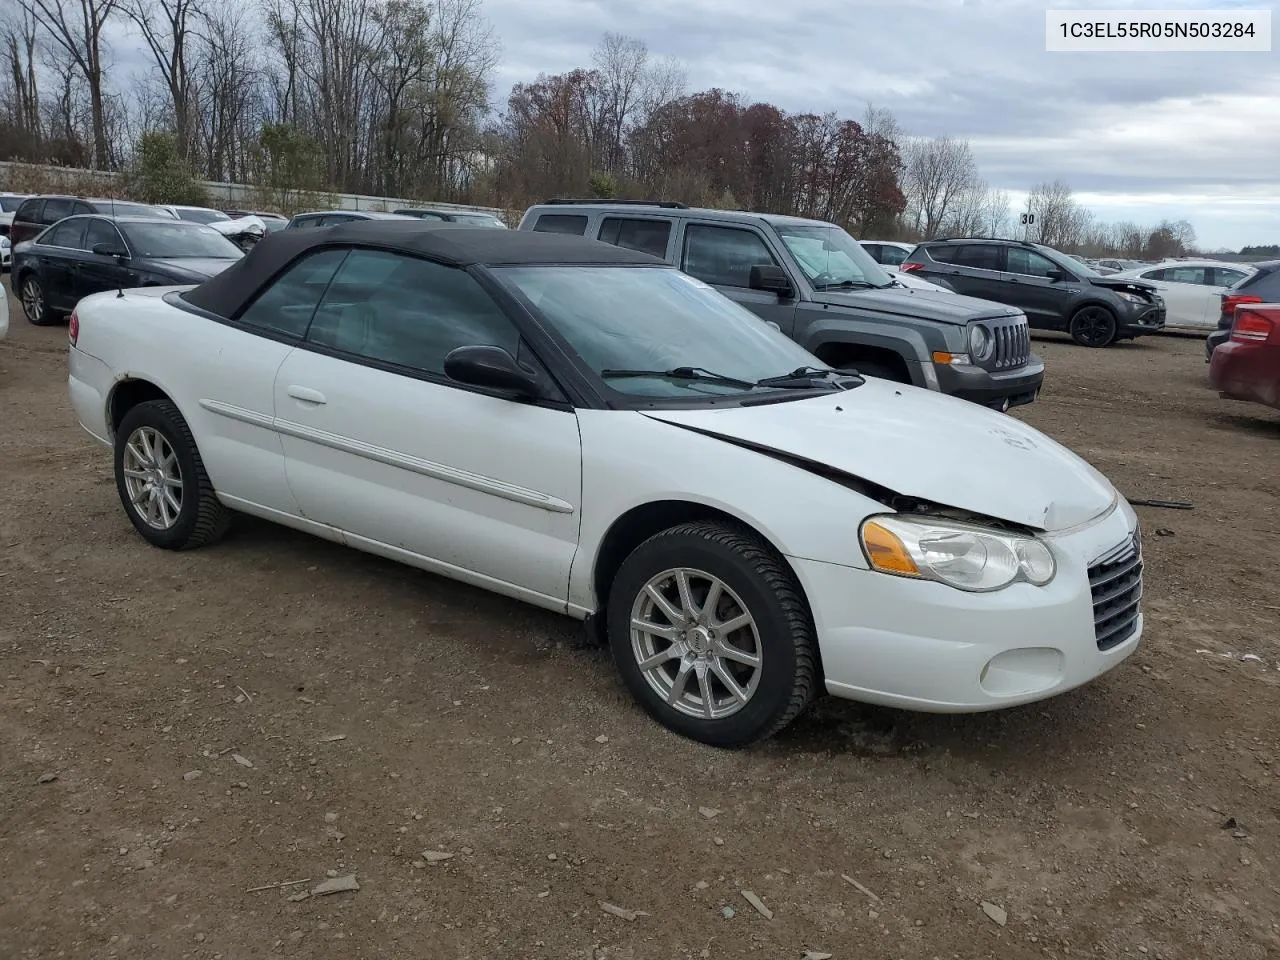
(153, 478)
(696, 643)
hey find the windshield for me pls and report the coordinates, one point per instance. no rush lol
(830, 257)
(10, 204)
(480, 220)
(272, 224)
(178, 241)
(657, 318)
(123, 208)
(196, 215)
(1068, 262)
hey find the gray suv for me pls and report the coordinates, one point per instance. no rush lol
(816, 284)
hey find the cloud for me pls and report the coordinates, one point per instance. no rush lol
(1143, 135)
(1146, 135)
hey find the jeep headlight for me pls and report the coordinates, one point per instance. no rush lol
(961, 555)
(980, 343)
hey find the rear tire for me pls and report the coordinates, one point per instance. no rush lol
(695, 671)
(1093, 327)
(161, 479)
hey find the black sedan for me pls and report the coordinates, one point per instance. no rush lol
(88, 254)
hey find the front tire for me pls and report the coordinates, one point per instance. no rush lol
(712, 635)
(34, 303)
(161, 479)
(1093, 327)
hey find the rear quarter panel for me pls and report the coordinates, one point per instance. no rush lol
(220, 377)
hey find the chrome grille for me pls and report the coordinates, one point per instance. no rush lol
(1115, 580)
(1012, 343)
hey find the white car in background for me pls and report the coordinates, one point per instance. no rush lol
(890, 253)
(4, 312)
(6, 253)
(1192, 289)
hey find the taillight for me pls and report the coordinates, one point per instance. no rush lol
(73, 328)
(1232, 300)
(909, 267)
(1252, 326)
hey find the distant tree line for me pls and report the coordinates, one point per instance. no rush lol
(393, 98)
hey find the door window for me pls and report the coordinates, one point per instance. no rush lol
(1030, 264)
(1158, 275)
(646, 236)
(55, 208)
(1186, 275)
(286, 306)
(981, 256)
(69, 234)
(723, 256)
(1223, 277)
(101, 231)
(892, 256)
(574, 224)
(408, 312)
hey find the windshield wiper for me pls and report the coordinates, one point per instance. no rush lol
(845, 283)
(681, 373)
(802, 377)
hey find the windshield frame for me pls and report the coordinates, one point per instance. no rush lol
(872, 272)
(126, 229)
(606, 390)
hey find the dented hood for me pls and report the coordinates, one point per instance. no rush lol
(922, 445)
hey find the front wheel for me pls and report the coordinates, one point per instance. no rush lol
(34, 304)
(1093, 327)
(712, 635)
(162, 481)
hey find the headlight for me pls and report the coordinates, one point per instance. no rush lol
(980, 343)
(960, 555)
(1131, 297)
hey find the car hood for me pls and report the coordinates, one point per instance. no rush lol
(939, 306)
(923, 445)
(195, 266)
(1119, 281)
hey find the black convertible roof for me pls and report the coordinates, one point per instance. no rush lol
(229, 291)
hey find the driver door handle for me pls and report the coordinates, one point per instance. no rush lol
(306, 395)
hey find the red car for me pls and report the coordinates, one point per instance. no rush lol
(1247, 367)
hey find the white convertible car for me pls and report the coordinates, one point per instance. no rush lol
(592, 431)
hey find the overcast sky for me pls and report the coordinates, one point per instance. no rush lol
(1139, 136)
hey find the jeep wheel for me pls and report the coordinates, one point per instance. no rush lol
(1093, 327)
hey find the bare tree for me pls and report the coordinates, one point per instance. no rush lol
(75, 26)
(621, 64)
(1060, 221)
(166, 26)
(227, 91)
(19, 37)
(939, 173)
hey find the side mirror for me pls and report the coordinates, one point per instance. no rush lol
(109, 250)
(1057, 276)
(492, 368)
(766, 276)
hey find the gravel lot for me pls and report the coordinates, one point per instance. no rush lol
(1139, 816)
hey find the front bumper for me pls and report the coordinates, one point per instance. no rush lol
(999, 390)
(1141, 320)
(926, 646)
(1214, 341)
(1247, 371)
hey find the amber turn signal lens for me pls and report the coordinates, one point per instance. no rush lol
(886, 552)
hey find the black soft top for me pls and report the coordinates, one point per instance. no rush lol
(232, 289)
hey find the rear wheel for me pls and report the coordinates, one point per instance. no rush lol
(34, 304)
(1093, 327)
(162, 481)
(711, 634)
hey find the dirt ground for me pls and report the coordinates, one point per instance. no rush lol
(189, 707)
